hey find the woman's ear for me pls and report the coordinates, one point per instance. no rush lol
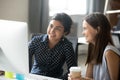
(98, 29)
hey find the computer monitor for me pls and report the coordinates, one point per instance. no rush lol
(14, 46)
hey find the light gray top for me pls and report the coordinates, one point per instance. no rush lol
(100, 71)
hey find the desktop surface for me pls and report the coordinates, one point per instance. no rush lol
(40, 77)
(32, 77)
(82, 40)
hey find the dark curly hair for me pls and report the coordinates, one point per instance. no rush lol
(65, 20)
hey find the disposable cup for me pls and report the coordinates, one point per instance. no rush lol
(75, 72)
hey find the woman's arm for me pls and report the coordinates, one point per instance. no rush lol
(70, 58)
(89, 71)
(31, 49)
(113, 63)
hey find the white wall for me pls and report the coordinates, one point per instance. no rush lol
(82, 49)
(78, 19)
(14, 10)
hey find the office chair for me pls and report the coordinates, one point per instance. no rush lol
(74, 41)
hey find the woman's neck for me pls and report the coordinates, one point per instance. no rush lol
(52, 44)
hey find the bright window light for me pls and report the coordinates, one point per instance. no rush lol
(71, 7)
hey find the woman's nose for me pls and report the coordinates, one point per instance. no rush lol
(52, 29)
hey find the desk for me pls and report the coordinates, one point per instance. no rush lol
(32, 77)
(116, 32)
(81, 40)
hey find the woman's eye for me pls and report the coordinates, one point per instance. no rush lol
(57, 28)
(51, 26)
(84, 28)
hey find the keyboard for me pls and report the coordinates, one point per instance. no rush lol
(39, 77)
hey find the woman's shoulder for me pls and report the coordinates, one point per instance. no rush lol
(110, 49)
(41, 37)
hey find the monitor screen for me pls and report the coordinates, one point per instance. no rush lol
(14, 46)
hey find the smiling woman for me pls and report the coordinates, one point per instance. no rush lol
(53, 49)
(67, 6)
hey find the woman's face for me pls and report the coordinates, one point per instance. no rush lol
(55, 30)
(89, 32)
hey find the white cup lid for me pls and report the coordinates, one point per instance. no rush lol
(76, 69)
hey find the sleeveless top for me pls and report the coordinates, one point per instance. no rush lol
(100, 71)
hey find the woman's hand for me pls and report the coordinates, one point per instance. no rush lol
(71, 78)
(2, 72)
(79, 78)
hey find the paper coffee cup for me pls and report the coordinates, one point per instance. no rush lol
(75, 72)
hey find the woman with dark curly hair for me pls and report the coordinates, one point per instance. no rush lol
(52, 50)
